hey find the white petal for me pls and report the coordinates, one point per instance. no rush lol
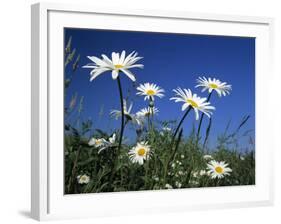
(129, 74)
(115, 74)
(90, 65)
(122, 57)
(196, 113)
(184, 106)
(135, 66)
(107, 60)
(103, 148)
(96, 73)
(97, 60)
(128, 58)
(115, 58)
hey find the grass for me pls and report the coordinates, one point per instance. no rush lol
(183, 169)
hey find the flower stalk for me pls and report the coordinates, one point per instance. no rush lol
(180, 123)
(201, 118)
(151, 107)
(122, 114)
(115, 164)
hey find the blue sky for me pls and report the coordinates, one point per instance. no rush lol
(170, 61)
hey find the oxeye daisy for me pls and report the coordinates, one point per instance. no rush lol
(192, 100)
(147, 111)
(127, 111)
(222, 88)
(140, 152)
(168, 186)
(134, 118)
(207, 157)
(203, 172)
(109, 143)
(83, 179)
(97, 142)
(150, 90)
(165, 130)
(218, 169)
(117, 63)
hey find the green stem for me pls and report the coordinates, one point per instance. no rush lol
(115, 163)
(202, 116)
(207, 133)
(151, 105)
(148, 123)
(180, 123)
(122, 114)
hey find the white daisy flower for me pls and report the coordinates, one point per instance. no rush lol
(97, 142)
(117, 63)
(195, 174)
(167, 129)
(107, 144)
(180, 173)
(127, 113)
(222, 88)
(207, 157)
(168, 186)
(189, 99)
(203, 172)
(150, 90)
(178, 162)
(178, 184)
(147, 112)
(218, 169)
(194, 182)
(156, 178)
(140, 152)
(83, 179)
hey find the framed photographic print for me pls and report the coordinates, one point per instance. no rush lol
(152, 110)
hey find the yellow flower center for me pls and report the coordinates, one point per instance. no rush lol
(98, 142)
(192, 103)
(213, 85)
(141, 152)
(150, 92)
(83, 178)
(219, 169)
(118, 66)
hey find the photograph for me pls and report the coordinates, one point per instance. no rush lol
(157, 111)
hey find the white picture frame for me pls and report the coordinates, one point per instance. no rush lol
(48, 201)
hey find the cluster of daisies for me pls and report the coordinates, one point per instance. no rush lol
(120, 63)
